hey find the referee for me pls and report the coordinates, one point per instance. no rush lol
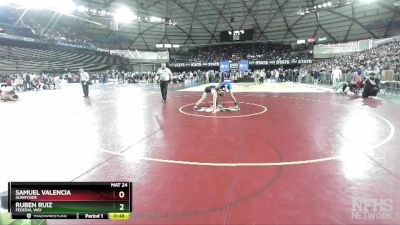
(165, 75)
(85, 82)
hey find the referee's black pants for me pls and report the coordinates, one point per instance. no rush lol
(85, 87)
(164, 89)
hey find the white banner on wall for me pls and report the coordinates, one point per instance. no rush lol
(143, 56)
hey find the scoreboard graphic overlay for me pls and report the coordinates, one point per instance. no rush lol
(70, 200)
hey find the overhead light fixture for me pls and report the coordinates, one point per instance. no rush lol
(103, 12)
(167, 45)
(124, 15)
(325, 5)
(155, 19)
(159, 45)
(301, 41)
(175, 46)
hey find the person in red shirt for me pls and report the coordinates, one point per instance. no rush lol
(354, 84)
(8, 82)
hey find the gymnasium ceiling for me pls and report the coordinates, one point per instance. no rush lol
(200, 21)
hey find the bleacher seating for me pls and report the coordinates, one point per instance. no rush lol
(15, 59)
(236, 52)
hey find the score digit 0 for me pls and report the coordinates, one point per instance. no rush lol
(121, 194)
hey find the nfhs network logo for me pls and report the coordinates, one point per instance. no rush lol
(372, 208)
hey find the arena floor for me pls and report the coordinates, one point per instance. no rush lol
(287, 157)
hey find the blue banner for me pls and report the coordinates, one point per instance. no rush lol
(224, 66)
(243, 65)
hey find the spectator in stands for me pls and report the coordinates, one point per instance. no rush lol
(7, 82)
(35, 84)
(382, 57)
(236, 52)
(19, 83)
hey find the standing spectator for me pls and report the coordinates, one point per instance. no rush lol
(281, 75)
(27, 82)
(377, 72)
(256, 77)
(165, 75)
(84, 77)
(276, 73)
(262, 76)
(290, 75)
(336, 76)
(315, 76)
(212, 76)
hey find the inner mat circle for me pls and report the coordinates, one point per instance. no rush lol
(247, 109)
